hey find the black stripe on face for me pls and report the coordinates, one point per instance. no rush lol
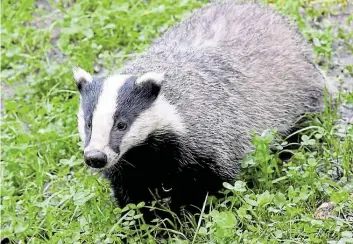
(131, 102)
(90, 94)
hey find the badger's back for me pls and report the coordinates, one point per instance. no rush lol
(229, 69)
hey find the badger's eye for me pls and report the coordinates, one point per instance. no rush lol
(89, 125)
(121, 126)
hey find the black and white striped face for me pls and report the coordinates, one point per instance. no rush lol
(119, 112)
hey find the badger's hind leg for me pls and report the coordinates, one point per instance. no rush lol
(293, 136)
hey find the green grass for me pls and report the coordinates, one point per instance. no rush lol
(47, 194)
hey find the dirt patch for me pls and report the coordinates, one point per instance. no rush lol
(342, 55)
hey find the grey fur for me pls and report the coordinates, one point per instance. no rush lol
(230, 69)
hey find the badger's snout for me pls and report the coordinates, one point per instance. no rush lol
(95, 159)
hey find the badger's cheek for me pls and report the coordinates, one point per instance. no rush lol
(112, 157)
(81, 125)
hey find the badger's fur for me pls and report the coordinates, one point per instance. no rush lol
(178, 118)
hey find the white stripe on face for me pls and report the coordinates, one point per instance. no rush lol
(103, 116)
(160, 116)
(81, 122)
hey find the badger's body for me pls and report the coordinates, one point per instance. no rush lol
(226, 70)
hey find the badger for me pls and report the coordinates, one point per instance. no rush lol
(176, 120)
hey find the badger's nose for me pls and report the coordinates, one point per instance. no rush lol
(95, 159)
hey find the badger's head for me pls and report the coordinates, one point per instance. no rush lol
(119, 112)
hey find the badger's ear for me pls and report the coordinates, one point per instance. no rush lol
(81, 77)
(152, 81)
